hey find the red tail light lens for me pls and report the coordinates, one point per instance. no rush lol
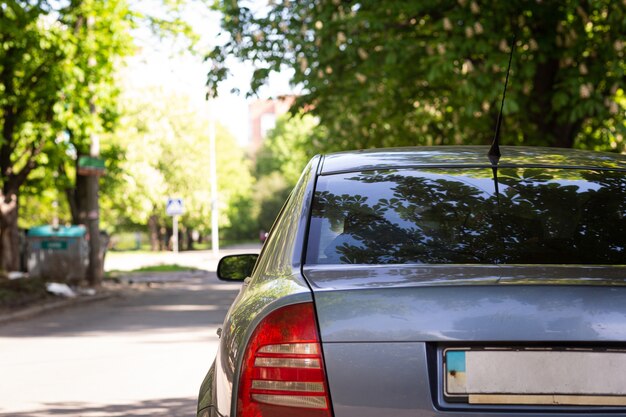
(283, 369)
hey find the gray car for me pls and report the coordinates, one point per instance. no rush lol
(427, 282)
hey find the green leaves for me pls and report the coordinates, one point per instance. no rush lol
(166, 154)
(397, 72)
(280, 161)
(59, 88)
(289, 146)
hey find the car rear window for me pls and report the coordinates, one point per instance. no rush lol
(454, 216)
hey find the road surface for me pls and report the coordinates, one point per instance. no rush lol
(142, 354)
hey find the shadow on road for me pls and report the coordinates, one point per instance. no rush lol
(171, 407)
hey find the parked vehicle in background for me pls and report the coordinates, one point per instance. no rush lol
(427, 282)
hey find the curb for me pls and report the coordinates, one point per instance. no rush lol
(39, 309)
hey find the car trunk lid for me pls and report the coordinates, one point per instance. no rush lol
(469, 303)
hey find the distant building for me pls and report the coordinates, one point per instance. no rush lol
(263, 115)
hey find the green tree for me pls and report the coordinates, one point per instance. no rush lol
(280, 161)
(431, 72)
(270, 193)
(289, 146)
(58, 90)
(165, 142)
(30, 84)
(55, 72)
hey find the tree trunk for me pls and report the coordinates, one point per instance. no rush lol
(163, 238)
(545, 82)
(76, 195)
(565, 134)
(189, 235)
(84, 205)
(153, 231)
(9, 232)
(80, 199)
(95, 269)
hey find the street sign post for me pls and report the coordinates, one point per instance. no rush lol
(175, 208)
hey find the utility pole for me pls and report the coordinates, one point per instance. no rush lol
(94, 271)
(95, 268)
(175, 233)
(215, 242)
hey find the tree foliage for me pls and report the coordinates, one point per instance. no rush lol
(58, 64)
(279, 163)
(30, 75)
(431, 72)
(165, 140)
(270, 193)
(289, 146)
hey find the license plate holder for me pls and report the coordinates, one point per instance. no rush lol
(535, 376)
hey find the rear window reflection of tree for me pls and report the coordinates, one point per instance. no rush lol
(540, 217)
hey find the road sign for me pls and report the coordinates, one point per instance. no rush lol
(91, 166)
(175, 207)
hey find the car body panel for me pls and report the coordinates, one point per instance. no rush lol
(348, 277)
(532, 313)
(206, 397)
(384, 379)
(275, 282)
(401, 380)
(378, 323)
(376, 329)
(467, 156)
(255, 303)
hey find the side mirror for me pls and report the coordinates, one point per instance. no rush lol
(236, 267)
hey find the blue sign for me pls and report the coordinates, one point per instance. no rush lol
(175, 207)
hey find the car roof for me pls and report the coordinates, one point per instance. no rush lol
(469, 156)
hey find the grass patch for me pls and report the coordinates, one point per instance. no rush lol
(127, 241)
(165, 268)
(22, 292)
(153, 268)
(115, 253)
(123, 250)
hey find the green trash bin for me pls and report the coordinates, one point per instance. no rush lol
(57, 254)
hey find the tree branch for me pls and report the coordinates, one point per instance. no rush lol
(70, 194)
(20, 177)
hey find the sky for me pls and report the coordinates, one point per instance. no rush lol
(156, 65)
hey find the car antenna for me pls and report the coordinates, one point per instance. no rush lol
(494, 152)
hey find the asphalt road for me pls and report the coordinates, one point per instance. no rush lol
(142, 354)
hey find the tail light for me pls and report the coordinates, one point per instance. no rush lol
(283, 369)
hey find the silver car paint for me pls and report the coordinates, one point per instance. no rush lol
(378, 379)
(468, 156)
(488, 312)
(377, 323)
(393, 380)
(376, 362)
(276, 282)
(330, 277)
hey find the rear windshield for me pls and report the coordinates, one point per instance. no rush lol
(454, 216)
